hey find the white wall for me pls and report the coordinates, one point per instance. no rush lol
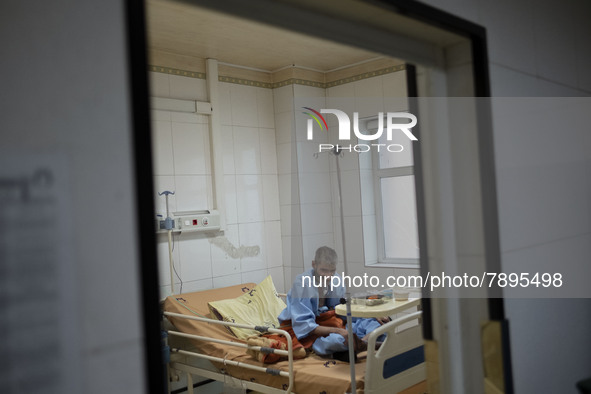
(314, 177)
(289, 194)
(265, 147)
(183, 164)
(367, 97)
(538, 49)
(257, 159)
(310, 215)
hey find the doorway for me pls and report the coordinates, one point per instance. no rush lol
(411, 33)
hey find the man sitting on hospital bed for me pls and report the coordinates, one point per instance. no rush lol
(310, 315)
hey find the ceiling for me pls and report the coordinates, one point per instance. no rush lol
(187, 30)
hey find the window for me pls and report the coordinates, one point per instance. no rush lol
(396, 234)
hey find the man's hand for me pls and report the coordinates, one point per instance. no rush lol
(341, 331)
(344, 333)
(383, 320)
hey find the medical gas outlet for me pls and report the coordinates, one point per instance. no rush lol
(192, 221)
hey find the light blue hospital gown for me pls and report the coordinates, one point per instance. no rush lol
(302, 309)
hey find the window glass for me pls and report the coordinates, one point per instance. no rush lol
(397, 152)
(399, 217)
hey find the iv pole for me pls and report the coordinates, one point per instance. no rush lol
(337, 152)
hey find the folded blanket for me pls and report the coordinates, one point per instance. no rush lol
(275, 341)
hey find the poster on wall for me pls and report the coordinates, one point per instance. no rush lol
(37, 281)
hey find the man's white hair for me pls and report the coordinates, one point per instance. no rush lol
(326, 255)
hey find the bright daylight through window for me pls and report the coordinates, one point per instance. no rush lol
(393, 201)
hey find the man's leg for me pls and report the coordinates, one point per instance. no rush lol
(362, 327)
(325, 346)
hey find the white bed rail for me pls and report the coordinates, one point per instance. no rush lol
(237, 344)
(396, 343)
(273, 371)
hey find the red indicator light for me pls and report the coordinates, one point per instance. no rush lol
(194, 222)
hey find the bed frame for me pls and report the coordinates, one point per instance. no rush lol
(397, 365)
(219, 376)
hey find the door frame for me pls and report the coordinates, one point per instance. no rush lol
(331, 20)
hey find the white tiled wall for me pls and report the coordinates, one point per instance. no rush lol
(309, 209)
(368, 97)
(288, 183)
(313, 175)
(251, 186)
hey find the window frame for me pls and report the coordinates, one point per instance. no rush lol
(377, 175)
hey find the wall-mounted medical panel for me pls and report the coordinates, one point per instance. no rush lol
(191, 221)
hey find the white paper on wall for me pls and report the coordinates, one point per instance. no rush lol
(39, 323)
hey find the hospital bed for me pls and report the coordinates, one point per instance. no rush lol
(194, 336)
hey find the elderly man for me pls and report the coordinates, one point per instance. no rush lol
(310, 316)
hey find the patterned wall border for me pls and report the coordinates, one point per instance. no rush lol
(299, 81)
(248, 82)
(290, 81)
(369, 74)
(174, 71)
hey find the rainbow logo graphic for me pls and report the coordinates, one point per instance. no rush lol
(315, 115)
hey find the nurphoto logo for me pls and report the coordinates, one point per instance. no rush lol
(392, 125)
